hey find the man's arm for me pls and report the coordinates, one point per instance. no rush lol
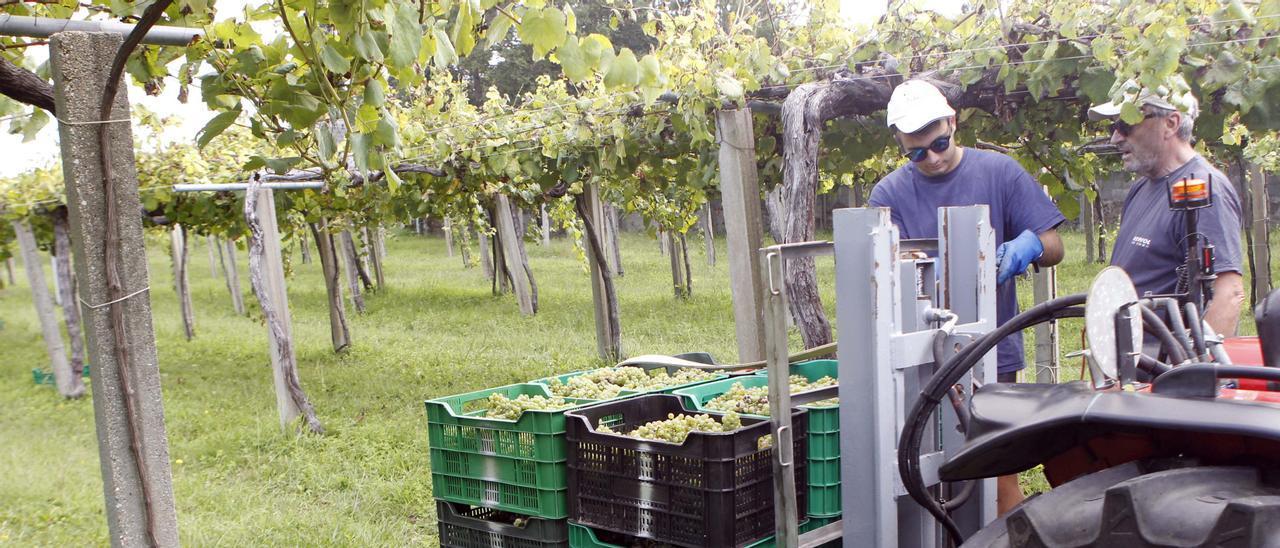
(1224, 309)
(1053, 251)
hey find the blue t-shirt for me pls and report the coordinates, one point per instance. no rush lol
(1015, 201)
(1150, 245)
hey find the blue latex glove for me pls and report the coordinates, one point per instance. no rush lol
(1014, 256)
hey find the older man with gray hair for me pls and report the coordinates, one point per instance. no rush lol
(1151, 244)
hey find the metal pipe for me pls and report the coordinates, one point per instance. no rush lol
(44, 27)
(231, 187)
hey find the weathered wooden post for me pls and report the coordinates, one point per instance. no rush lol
(350, 265)
(8, 267)
(1261, 246)
(508, 239)
(603, 296)
(111, 264)
(178, 239)
(546, 226)
(1046, 288)
(69, 385)
(709, 234)
(266, 273)
(1087, 224)
(63, 271)
(305, 246)
(740, 196)
(233, 277)
(212, 243)
(612, 248)
(448, 235)
(373, 250)
(57, 283)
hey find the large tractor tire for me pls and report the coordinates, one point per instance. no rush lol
(1141, 504)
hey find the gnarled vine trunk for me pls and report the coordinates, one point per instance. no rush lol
(608, 328)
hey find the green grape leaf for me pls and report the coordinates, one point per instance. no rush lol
(623, 71)
(445, 55)
(406, 35)
(573, 60)
(215, 127)
(1130, 113)
(334, 61)
(543, 29)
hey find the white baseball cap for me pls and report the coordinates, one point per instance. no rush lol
(1179, 99)
(915, 104)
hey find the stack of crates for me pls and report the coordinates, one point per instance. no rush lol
(714, 489)
(502, 482)
(824, 432)
(498, 482)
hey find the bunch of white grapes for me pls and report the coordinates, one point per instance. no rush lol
(755, 401)
(677, 427)
(502, 407)
(607, 382)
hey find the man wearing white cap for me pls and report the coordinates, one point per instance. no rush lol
(1150, 245)
(941, 173)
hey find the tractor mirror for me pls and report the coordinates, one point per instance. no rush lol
(1267, 317)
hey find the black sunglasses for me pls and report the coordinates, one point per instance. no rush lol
(1125, 128)
(939, 145)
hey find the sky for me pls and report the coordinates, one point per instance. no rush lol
(190, 117)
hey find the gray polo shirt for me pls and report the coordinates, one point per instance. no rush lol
(1151, 242)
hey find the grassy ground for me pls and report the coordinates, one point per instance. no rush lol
(434, 331)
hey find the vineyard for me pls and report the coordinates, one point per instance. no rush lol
(404, 201)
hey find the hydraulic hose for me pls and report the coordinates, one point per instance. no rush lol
(1154, 325)
(1152, 366)
(1197, 334)
(1176, 326)
(947, 375)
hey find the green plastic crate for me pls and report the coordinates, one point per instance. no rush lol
(521, 472)
(581, 536)
(512, 465)
(548, 504)
(41, 377)
(537, 435)
(824, 430)
(671, 369)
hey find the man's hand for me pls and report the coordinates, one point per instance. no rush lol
(1014, 256)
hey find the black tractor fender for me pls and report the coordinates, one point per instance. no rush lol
(1014, 427)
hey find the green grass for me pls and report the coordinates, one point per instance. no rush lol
(435, 330)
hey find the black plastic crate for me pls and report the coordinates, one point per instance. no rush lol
(714, 490)
(466, 526)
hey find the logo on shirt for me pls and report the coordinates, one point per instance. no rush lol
(1140, 241)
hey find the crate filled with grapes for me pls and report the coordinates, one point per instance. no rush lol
(650, 468)
(608, 383)
(466, 526)
(749, 396)
(501, 448)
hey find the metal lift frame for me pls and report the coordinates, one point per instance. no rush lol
(885, 358)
